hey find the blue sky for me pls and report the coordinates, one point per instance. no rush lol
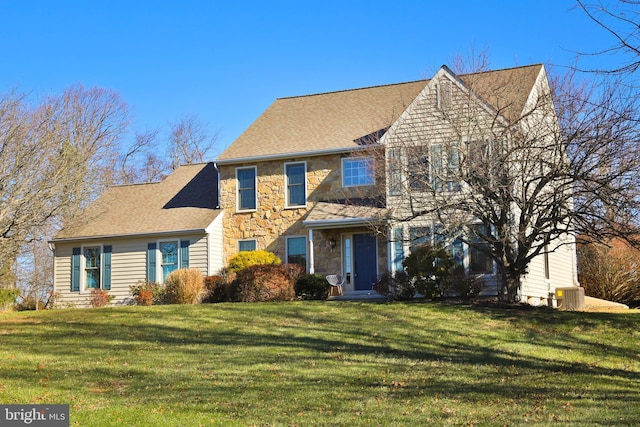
(227, 61)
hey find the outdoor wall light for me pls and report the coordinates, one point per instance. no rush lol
(332, 243)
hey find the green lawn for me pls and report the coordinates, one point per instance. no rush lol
(325, 363)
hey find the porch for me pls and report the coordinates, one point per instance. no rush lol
(342, 241)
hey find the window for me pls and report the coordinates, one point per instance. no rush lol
(418, 168)
(480, 262)
(92, 267)
(395, 171)
(296, 184)
(169, 258)
(445, 168)
(247, 245)
(246, 184)
(297, 251)
(419, 236)
(398, 249)
(357, 171)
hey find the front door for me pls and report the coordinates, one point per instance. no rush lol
(364, 261)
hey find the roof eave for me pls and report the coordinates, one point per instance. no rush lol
(130, 235)
(338, 223)
(291, 154)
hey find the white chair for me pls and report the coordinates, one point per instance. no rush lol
(336, 283)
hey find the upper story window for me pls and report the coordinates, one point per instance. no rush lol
(296, 184)
(394, 158)
(445, 168)
(357, 171)
(246, 178)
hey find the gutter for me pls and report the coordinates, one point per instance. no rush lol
(290, 155)
(114, 236)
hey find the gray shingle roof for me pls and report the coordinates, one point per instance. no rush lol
(185, 200)
(336, 120)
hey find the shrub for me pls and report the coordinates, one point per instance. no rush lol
(99, 298)
(148, 293)
(466, 287)
(609, 271)
(244, 259)
(8, 298)
(428, 267)
(215, 288)
(184, 286)
(262, 283)
(395, 286)
(312, 286)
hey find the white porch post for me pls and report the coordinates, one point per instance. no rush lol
(311, 266)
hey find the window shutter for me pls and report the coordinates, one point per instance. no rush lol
(75, 270)
(184, 254)
(106, 268)
(151, 262)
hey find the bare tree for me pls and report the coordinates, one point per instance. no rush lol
(189, 142)
(53, 158)
(514, 183)
(620, 20)
(141, 162)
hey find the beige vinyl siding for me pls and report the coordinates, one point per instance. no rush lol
(128, 266)
(216, 245)
(561, 272)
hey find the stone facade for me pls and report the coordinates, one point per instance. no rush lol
(272, 222)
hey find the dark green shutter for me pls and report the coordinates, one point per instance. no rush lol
(151, 262)
(75, 270)
(184, 254)
(106, 268)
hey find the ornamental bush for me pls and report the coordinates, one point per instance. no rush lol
(428, 268)
(244, 259)
(312, 287)
(148, 293)
(262, 282)
(99, 298)
(395, 286)
(184, 286)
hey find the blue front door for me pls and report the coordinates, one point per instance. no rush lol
(364, 261)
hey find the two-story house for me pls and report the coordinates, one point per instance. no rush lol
(305, 180)
(312, 180)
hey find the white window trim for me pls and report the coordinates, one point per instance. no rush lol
(306, 248)
(83, 265)
(246, 240)
(159, 274)
(286, 186)
(369, 160)
(255, 169)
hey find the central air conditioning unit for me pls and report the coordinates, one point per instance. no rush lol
(570, 298)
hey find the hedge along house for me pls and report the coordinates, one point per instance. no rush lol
(302, 181)
(140, 232)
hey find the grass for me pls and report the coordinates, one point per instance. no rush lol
(319, 363)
